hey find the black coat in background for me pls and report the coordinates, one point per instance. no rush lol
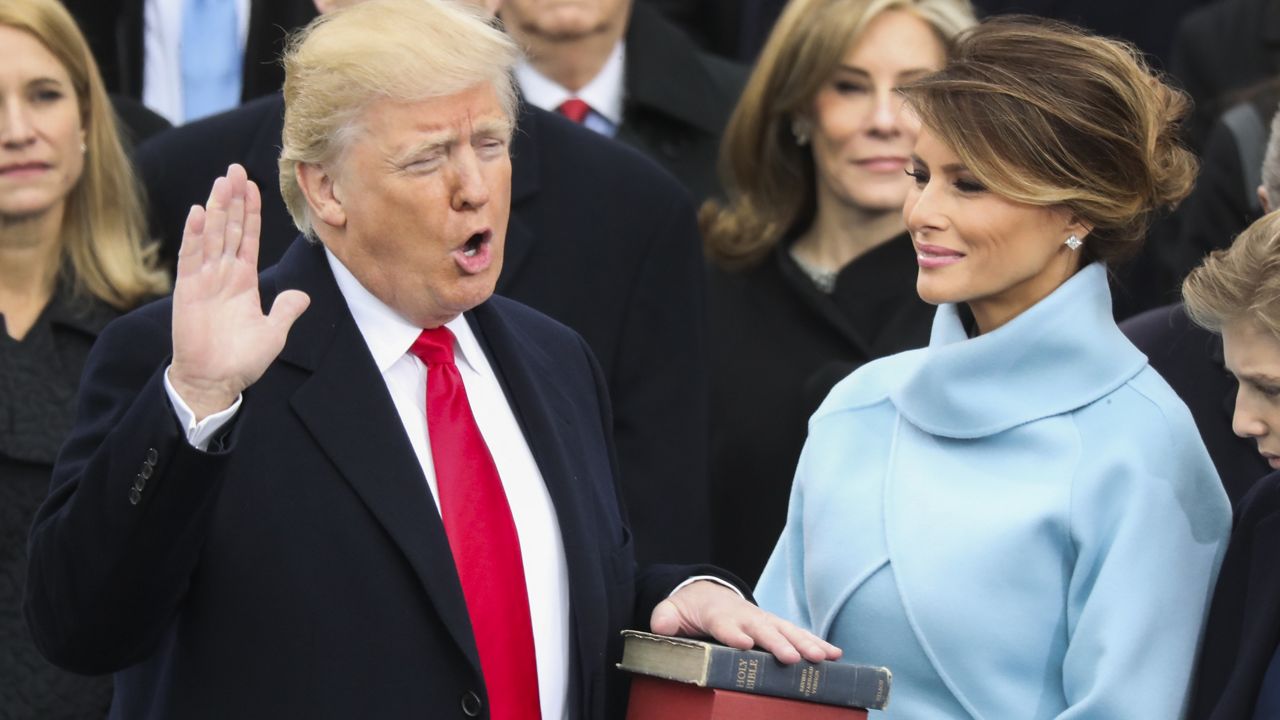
(778, 345)
(114, 29)
(1224, 47)
(1148, 25)
(600, 239)
(1243, 629)
(678, 99)
(1224, 201)
(39, 376)
(734, 29)
(1190, 359)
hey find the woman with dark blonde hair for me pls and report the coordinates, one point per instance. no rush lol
(72, 258)
(812, 272)
(1020, 520)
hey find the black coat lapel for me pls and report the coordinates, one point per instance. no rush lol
(346, 407)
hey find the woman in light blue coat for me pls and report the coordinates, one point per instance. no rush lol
(1020, 520)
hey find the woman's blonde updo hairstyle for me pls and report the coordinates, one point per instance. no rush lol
(1044, 113)
(771, 180)
(1241, 282)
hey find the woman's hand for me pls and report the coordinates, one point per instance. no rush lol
(222, 342)
(705, 608)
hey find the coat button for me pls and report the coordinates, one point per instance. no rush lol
(139, 483)
(152, 456)
(145, 474)
(471, 704)
(135, 497)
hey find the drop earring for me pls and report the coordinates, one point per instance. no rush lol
(1073, 242)
(800, 129)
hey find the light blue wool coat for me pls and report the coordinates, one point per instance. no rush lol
(1022, 525)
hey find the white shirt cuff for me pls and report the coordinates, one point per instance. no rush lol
(713, 579)
(199, 434)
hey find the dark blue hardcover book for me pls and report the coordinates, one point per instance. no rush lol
(709, 664)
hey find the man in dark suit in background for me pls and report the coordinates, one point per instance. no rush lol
(1221, 49)
(601, 239)
(117, 34)
(626, 72)
(257, 515)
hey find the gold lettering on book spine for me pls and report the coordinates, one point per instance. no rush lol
(748, 673)
(810, 680)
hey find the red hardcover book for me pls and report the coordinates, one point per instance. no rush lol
(656, 699)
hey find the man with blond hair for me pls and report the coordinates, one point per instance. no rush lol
(391, 495)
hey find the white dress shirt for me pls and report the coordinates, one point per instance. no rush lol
(162, 59)
(605, 93)
(389, 337)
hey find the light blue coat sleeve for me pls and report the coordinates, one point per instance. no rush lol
(1149, 530)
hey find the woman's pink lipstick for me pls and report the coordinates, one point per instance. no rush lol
(935, 256)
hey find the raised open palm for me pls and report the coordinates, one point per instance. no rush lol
(222, 341)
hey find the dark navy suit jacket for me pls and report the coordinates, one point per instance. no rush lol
(299, 568)
(1243, 630)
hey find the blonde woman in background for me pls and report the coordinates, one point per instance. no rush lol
(812, 270)
(72, 258)
(1020, 520)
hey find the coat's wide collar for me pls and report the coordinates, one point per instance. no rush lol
(1061, 354)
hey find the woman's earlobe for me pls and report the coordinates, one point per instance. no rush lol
(1079, 228)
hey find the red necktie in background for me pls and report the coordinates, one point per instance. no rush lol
(575, 109)
(482, 536)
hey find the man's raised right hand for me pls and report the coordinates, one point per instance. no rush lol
(222, 342)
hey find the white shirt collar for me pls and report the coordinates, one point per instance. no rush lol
(604, 93)
(386, 332)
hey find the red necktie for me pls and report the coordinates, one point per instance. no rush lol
(575, 109)
(482, 536)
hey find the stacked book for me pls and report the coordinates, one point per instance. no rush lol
(683, 679)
